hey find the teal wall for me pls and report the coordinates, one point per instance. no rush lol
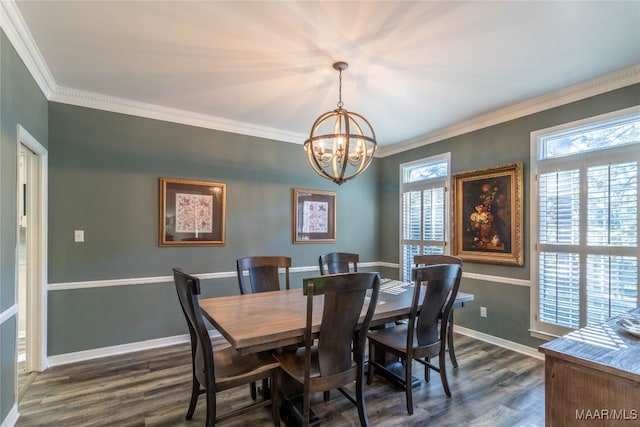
(21, 102)
(104, 170)
(509, 142)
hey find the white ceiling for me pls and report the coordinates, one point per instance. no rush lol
(415, 67)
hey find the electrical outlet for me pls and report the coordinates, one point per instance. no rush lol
(483, 311)
(78, 236)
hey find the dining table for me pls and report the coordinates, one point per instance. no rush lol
(274, 320)
(271, 320)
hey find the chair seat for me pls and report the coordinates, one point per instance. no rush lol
(292, 363)
(396, 339)
(231, 365)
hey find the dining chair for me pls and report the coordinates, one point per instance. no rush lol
(338, 262)
(330, 362)
(222, 369)
(424, 260)
(262, 273)
(420, 339)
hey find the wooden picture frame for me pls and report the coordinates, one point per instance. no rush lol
(487, 223)
(314, 216)
(192, 213)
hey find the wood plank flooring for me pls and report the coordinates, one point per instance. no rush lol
(492, 387)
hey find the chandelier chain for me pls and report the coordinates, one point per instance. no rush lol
(340, 104)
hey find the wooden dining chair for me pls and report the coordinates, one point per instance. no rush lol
(222, 369)
(338, 262)
(420, 339)
(424, 260)
(329, 361)
(262, 273)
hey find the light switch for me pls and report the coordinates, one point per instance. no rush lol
(78, 236)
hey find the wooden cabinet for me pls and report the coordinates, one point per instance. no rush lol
(592, 377)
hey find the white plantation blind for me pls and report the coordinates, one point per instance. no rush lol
(424, 208)
(587, 214)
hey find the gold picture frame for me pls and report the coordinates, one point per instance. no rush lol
(192, 213)
(314, 216)
(488, 224)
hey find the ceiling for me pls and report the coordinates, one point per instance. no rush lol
(415, 67)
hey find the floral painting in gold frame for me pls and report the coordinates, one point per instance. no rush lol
(487, 223)
(192, 213)
(314, 216)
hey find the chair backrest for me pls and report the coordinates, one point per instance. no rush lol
(440, 281)
(188, 288)
(344, 298)
(263, 273)
(424, 260)
(338, 262)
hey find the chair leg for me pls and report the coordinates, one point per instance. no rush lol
(370, 364)
(306, 403)
(443, 372)
(360, 402)
(407, 385)
(327, 395)
(452, 354)
(211, 408)
(275, 397)
(427, 370)
(195, 392)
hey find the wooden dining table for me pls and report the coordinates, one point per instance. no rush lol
(272, 320)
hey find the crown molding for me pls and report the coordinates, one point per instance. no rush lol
(606, 83)
(99, 101)
(16, 30)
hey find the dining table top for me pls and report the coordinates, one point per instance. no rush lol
(271, 320)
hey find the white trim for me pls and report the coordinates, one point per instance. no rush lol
(8, 313)
(151, 111)
(606, 83)
(37, 247)
(63, 286)
(12, 417)
(497, 279)
(80, 356)
(16, 30)
(509, 345)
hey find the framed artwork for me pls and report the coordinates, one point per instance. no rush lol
(314, 216)
(487, 223)
(192, 213)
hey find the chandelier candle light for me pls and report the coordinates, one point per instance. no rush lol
(341, 144)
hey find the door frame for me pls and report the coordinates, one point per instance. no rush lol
(37, 232)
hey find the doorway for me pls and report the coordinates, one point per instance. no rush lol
(31, 259)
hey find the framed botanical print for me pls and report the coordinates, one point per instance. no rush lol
(487, 224)
(192, 213)
(314, 216)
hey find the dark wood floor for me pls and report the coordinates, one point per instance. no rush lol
(492, 387)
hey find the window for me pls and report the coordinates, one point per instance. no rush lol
(424, 209)
(585, 266)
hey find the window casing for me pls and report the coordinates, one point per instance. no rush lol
(424, 209)
(585, 246)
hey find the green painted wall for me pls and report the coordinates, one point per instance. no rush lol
(508, 142)
(21, 102)
(103, 178)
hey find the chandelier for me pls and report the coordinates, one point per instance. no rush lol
(341, 144)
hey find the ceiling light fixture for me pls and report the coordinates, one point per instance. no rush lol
(341, 144)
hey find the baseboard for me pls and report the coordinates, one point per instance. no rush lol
(509, 345)
(79, 356)
(12, 417)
